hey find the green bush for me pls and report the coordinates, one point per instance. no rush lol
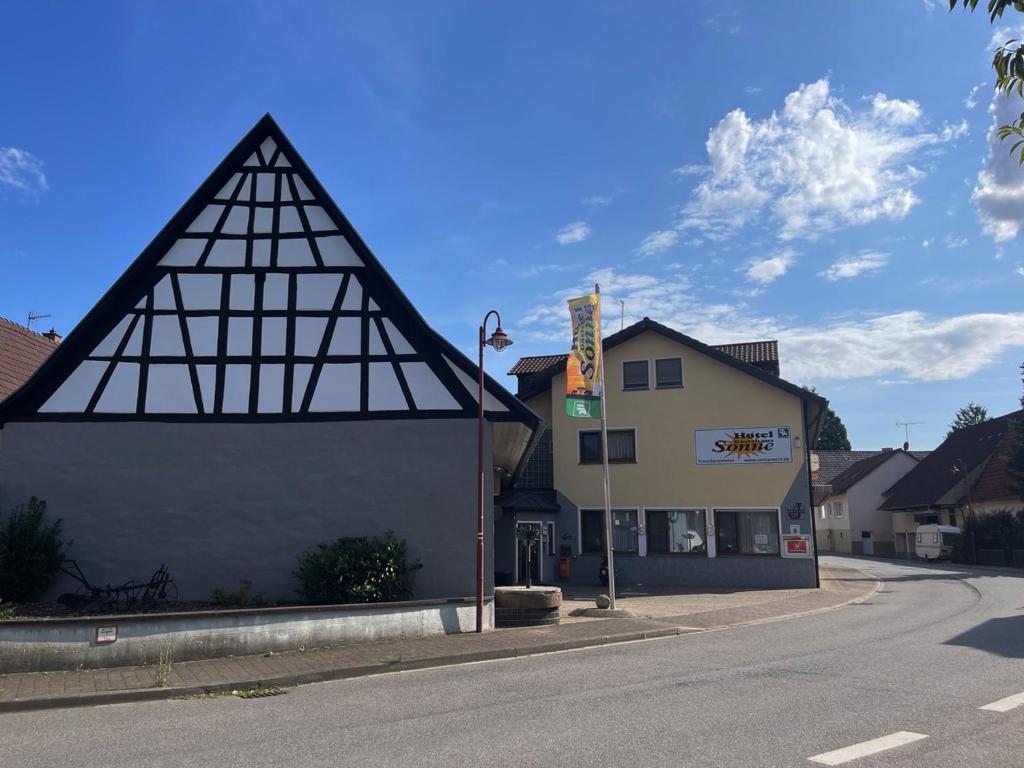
(31, 553)
(355, 570)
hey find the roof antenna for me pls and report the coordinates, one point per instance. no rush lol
(622, 314)
(32, 317)
(906, 431)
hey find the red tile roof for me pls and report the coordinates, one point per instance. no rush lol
(21, 352)
(995, 482)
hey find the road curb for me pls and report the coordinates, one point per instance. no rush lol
(390, 667)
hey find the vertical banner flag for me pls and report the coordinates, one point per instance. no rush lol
(582, 373)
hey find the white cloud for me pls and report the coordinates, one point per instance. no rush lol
(22, 171)
(541, 269)
(659, 241)
(926, 243)
(1020, 271)
(576, 232)
(854, 266)
(971, 101)
(999, 192)
(908, 345)
(952, 241)
(930, 5)
(770, 268)
(816, 166)
(691, 169)
(752, 89)
(598, 201)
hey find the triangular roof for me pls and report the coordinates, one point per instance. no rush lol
(258, 301)
(933, 483)
(540, 381)
(859, 470)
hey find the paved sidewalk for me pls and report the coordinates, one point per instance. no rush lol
(665, 615)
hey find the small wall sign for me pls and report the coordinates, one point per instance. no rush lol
(106, 635)
(796, 545)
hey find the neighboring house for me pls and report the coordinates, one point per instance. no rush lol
(22, 351)
(850, 519)
(254, 384)
(936, 490)
(708, 465)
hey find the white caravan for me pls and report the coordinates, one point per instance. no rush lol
(936, 542)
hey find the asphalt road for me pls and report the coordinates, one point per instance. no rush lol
(921, 656)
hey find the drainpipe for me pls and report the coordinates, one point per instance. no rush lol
(810, 491)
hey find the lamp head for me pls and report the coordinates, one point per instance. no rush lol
(499, 339)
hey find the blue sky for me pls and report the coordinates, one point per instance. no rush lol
(818, 173)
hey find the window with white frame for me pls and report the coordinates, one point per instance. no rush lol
(837, 508)
(747, 531)
(676, 531)
(625, 531)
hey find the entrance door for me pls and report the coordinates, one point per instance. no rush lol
(535, 556)
(867, 544)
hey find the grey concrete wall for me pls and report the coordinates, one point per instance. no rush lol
(48, 645)
(221, 503)
(745, 572)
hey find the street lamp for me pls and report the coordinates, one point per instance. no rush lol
(960, 468)
(499, 340)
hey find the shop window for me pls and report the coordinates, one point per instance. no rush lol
(676, 531)
(747, 531)
(624, 531)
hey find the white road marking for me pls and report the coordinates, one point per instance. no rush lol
(1005, 705)
(865, 748)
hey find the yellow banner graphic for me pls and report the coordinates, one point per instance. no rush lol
(583, 370)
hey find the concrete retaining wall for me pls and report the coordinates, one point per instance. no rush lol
(44, 645)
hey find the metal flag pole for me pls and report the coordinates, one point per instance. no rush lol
(610, 549)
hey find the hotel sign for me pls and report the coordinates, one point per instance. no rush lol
(743, 445)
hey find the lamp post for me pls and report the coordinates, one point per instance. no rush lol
(499, 340)
(960, 467)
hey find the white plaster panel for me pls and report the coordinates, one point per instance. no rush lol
(274, 339)
(376, 344)
(237, 222)
(227, 253)
(207, 385)
(317, 291)
(271, 394)
(184, 253)
(253, 160)
(289, 220)
(239, 336)
(265, 187)
(243, 291)
(427, 390)
(294, 252)
(398, 341)
(263, 220)
(385, 393)
(286, 191)
(169, 389)
(275, 291)
(134, 345)
(309, 331)
(73, 395)
(336, 252)
(347, 338)
(200, 291)
(163, 294)
(491, 403)
(121, 394)
(353, 295)
(372, 305)
(300, 378)
(236, 388)
(229, 188)
(318, 219)
(108, 346)
(261, 253)
(202, 333)
(245, 193)
(282, 162)
(267, 148)
(207, 219)
(166, 337)
(301, 188)
(337, 389)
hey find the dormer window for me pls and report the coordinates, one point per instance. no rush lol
(636, 375)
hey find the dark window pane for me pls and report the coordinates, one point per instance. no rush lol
(634, 375)
(621, 445)
(624, 530)
(747, 532)
(669, 372)
(592, 530)
(657, 531)
(590, 447)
